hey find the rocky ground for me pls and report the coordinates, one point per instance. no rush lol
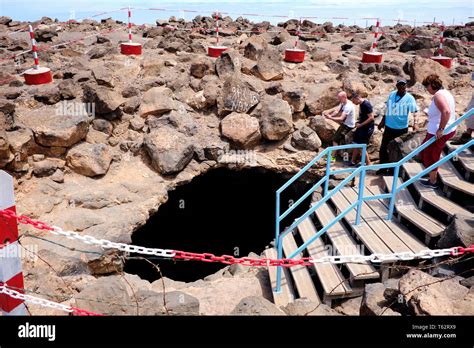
(158, 120)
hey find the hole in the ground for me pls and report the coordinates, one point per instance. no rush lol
(221, 212)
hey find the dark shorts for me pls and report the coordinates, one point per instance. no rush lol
(362, 135)
(341, 133)
(432, 153)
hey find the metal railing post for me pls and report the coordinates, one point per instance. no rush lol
(279, 268)
(328, 169)
(394, 192)
(360, 199)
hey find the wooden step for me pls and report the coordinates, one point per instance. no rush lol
(302, 279)
(342, 241)
(331, 278)
(363, 231)
(465, 158)
(407, 208)
(430, 196)
(286, 295)
(450, 177)
(396, 236)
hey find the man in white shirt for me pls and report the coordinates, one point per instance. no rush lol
(344, 114)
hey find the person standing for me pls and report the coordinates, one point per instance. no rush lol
(441, 114)
(345, 116)
(364, 127)
(400, 104)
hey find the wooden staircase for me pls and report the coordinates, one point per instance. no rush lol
(421, 215)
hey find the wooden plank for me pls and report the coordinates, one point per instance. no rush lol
(377, 224)
(330, 276)
(287, 294)
(367, 235)
(400, 231)
(408, 209)
(345, 245)
(303, 282)
(451, 177)
(431, 196)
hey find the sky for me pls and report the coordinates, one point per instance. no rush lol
(421, 10)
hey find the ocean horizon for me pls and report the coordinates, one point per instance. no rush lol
(337, 11)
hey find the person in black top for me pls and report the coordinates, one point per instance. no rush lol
(364, 126)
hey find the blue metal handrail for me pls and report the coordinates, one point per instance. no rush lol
(355, 171)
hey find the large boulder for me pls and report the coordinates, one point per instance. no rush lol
(108, 296)
(89, 159)
(241, 129)
(403, 145)
(319, 54)
(6, 156)
(171, 303)
(275, 118)
(157, 101)
(54, 129)
(322, 96)
(416, 43)
(201, 67)
(295, 96)
(49, 95)
(237, 95)
(427, 295)
(324, 128)
(418, 68)
(228, 63)
(269, 66)
(460, 232)
(374, 302)
(255, 305)
(180, 120)
(254, 47)
(170, 151)
(305, 307)
(105, 100)
(306, 138)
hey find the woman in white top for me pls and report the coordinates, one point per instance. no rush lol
(441, 114)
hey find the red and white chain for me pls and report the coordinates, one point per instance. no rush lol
(245, 261)
(4, 289)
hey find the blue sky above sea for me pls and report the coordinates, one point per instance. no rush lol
(458, 11)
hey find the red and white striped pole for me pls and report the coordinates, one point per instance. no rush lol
(372, 56)
(37, 75)
(298, 31)
(444, 61)
(376, 36)
(217, 28)
(216, 51)
(441, 40)
(33, 46)
(130, 47)
(10, 262)
(129, 25)
(295, 55)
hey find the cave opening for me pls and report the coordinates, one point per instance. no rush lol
(221, 212)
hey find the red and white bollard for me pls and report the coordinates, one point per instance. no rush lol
(216, 51)
(373, 56)
(36, 75)
(295, 55)
(130, 47)
(444, 61)
(10, 263)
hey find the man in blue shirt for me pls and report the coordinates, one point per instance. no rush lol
(399, 105)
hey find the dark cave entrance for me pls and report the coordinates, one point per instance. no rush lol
(220, 212)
